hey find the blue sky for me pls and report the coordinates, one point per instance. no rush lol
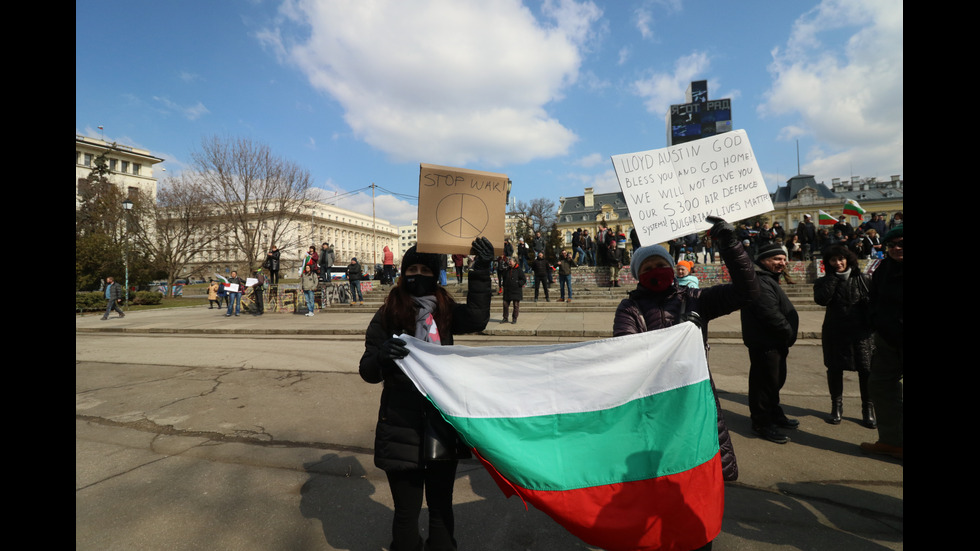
(361, 92)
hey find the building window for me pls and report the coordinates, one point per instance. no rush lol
(113, 164)
(125, 166)
(88, 159)
(136, 168)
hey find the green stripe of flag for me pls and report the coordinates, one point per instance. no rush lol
(578, 450)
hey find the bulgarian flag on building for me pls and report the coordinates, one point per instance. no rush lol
(854, 209)
(615, 439)
(825, 219)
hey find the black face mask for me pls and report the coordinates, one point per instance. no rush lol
(420, 285)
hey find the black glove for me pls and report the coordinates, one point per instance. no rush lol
(483, 250)
(722, 232)
(692, 317)
(393, 349)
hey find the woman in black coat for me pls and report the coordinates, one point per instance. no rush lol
(418, 306)
(847, 340)
(513, 281)
(272, 264)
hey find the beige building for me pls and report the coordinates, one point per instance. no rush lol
(802, 194)
(408, 236)
(131, 168)
(591, 211)
(352, 234)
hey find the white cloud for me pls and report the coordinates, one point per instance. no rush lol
(624, 55)
(643, 20)
(590, 160)
(844, 93)
(663, 89)
(187, 76)
(449, 82)
(606, 182)
(191, 112)
(388, 207)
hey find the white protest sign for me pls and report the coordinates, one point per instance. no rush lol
(671, 191)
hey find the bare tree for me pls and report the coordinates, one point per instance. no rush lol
(256, 192)
(180, 229)
(537, 215)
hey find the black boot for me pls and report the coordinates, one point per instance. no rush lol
(836, 411)
(835, 383)
(868, 414)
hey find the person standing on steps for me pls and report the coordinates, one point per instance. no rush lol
(354, 274)
(513, 282)
(540, 267)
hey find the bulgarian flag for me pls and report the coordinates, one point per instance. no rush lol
(854, 209)
(825, 219)
(615, 439)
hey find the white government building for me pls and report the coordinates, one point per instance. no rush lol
(352, 234)
(131, 168)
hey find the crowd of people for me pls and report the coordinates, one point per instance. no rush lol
(862, 332)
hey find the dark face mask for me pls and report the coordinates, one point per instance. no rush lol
(657, 279)
(420, 285)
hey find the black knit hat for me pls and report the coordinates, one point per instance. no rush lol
(426, 259)
(766, 251)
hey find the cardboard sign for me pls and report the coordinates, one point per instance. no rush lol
(457, 205)
(671, 191)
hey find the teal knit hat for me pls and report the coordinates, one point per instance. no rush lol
(894, 233)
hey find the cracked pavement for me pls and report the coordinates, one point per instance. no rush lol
(265, 442)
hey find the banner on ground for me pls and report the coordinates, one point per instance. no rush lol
(457, 205)
(615, 439)
(671, 191)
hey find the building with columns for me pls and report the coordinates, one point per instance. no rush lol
(352, 234)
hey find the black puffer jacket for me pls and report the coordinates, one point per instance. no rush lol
(513, 283)
(401, 418)
(887, 303)
(847, 321)
(645, 310)
(770, 322)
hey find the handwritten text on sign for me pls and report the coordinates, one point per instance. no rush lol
(457, 205)
(671, 191)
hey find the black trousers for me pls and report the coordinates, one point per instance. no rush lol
(435, 482)
(767, 374)
(540, 281)
(258, 298)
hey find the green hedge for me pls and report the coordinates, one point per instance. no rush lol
(96, 300)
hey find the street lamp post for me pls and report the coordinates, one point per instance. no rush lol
(127, 206)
